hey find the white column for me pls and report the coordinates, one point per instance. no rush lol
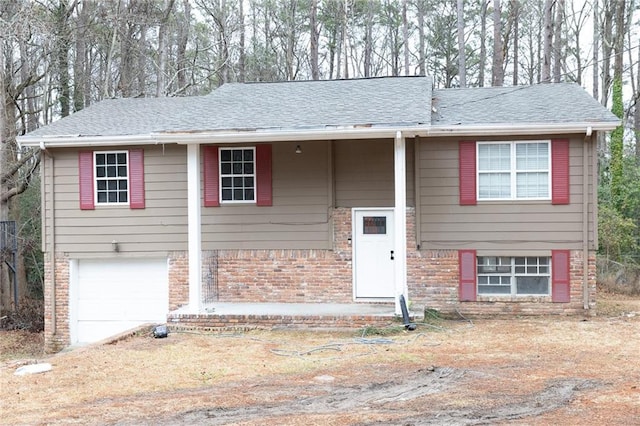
(194, 228)
(400, 221)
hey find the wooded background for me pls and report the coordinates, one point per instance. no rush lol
(60, 56)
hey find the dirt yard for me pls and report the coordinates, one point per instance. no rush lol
(534, 371)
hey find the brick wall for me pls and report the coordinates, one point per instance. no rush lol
(56, 333)
(178, 280)
(433, 283)
(322, 276)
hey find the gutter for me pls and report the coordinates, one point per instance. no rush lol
(321, 133)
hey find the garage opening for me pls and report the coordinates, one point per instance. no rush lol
(108, 296)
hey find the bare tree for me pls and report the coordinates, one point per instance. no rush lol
(515, 22)
(483, 42)
(313, 28)
(405, 36)
(545, 77)
(497, 70)
(162, 47)
(557, 41)
(462, 67)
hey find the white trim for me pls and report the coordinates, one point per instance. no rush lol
(322, 133)
(73, 299)
(98, 204)
(232, 175)
(194, 228)
(400, 220)
(513, 276)
(513, 171)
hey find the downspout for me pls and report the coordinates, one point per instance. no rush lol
(585, 218)
(416, 190)
(52, 233)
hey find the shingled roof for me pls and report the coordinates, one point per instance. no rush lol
(539, 104)
(251, 106)
(303, 109)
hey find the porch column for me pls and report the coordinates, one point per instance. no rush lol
(194, 228)
(400, 221)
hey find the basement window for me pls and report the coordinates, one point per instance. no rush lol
(521, 276)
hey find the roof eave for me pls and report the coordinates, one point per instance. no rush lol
(523, 130)
(347, 132)
(229, 136)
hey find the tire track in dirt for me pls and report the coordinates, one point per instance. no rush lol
(388, 397)
(373, 396)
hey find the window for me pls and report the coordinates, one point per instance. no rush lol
(514, 170)
(513, 275)
(112, 177)
(233, 175)
(237, 175)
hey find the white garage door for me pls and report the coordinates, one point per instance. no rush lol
(112, 296)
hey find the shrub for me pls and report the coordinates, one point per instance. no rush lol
(28, 316)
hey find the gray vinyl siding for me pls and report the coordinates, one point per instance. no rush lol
(496, 226)
(299, 217)
(364, 173)
(157, 229)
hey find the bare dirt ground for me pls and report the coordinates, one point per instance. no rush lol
(534, 371)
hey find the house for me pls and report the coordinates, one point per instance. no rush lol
(319, 193)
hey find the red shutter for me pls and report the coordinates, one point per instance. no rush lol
(561, 276)
(136, 179)
(467, 288)
(211, 181)
(85, 179)
(467, 162)
(560, 171)
(263, 175)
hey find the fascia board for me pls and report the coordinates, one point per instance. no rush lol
(283, 135)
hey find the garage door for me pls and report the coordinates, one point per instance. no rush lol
(112, 296)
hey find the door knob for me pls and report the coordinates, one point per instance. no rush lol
(391, 254)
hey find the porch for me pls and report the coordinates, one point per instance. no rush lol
(248, 316)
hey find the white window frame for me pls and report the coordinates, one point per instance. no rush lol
(513, 172)
(96, 179)
(514, 276)
(243, 175)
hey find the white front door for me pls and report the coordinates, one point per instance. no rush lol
(373, 254)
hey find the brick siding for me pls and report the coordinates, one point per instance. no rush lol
(319, 276)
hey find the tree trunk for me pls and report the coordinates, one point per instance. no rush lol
(636, 113)
(596, 48)
(421, 55)
(63, 46)
(462, 67)
(79, 76)
(545, 77)
(313, 28)
(497, 71)
(345, 26)
(405, 36)
(607, 44)
(181, 48)
(161, 86)
(483, 42)
(557, 42)
(368, 39)
(515, 10)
